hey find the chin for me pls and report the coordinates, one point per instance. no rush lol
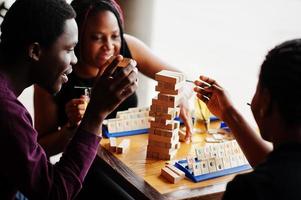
(55, 88)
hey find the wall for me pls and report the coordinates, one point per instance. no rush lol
(224, 39)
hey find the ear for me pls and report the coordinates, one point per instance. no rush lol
(34, 51)
(267, 102)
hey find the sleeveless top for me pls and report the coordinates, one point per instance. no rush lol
(73, 89)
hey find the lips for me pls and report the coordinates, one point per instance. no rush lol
(68, 71)
(65, 74)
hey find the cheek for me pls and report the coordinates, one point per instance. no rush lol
(117, 48)
(90, 49)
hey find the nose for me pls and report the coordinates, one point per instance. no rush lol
(73, 59)
(108, 44)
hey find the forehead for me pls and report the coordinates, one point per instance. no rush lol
(103, 19)
(70, 34)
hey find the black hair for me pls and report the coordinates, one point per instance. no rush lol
(87, 8)
(281, 75)
(29, 21)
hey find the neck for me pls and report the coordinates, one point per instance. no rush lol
(289, 134)
(18, 77)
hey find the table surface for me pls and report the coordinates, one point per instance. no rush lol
(141, 177)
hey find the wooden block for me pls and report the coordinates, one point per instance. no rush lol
(162, 76)
(112, 126)
(112, 144)
(167, 156)
(219, 164)
(163, 139)
(166, 91)
(160, 150)
(169, 175)
(124, 62)
(169, 76)
(176, 170)
(200, 154)
(197, 169)
(154, 155)
(211, 165)
(159, 102)
(123, 146)
(226, 162)
(170, 126)
(204, 166)
(233, 161)
(171, 86)
(119, 125)
(166, 133)
(190, 161)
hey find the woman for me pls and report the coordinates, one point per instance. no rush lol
(100, 36)
(277, 110)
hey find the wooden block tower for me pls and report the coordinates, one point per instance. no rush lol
(163, 141)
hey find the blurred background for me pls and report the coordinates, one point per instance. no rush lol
(226, 40)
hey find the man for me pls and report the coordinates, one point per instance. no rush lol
(37, 47)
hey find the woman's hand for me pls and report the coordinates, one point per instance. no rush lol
(187, 120)
(215, 97)
(75, 109)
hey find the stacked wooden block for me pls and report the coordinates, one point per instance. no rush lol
(163, 141)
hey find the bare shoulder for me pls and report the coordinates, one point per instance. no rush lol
(135, 44)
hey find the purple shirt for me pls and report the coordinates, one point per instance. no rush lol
(24, 164)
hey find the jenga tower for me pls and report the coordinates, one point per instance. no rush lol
(163, 141)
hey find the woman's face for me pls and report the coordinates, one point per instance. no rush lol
(101, 39)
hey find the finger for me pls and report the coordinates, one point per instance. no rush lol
(203, 98)
(129, 90)
(112, 66)
(123, 82)
(81, 106)
(202, 84)
(124, 72)
(207, 92)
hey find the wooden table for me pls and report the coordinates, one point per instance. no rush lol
(140, 177)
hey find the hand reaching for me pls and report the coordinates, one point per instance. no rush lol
(111, 88)
(215, 97)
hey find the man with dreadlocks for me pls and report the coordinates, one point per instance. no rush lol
(277, 110)
(37, 47)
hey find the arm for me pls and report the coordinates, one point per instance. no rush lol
(149, 64)
(218, 102)
(50, 137)
(38, 179)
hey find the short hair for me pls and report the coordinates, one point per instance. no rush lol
(30, 21)
(281, 75)
(87, 8)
